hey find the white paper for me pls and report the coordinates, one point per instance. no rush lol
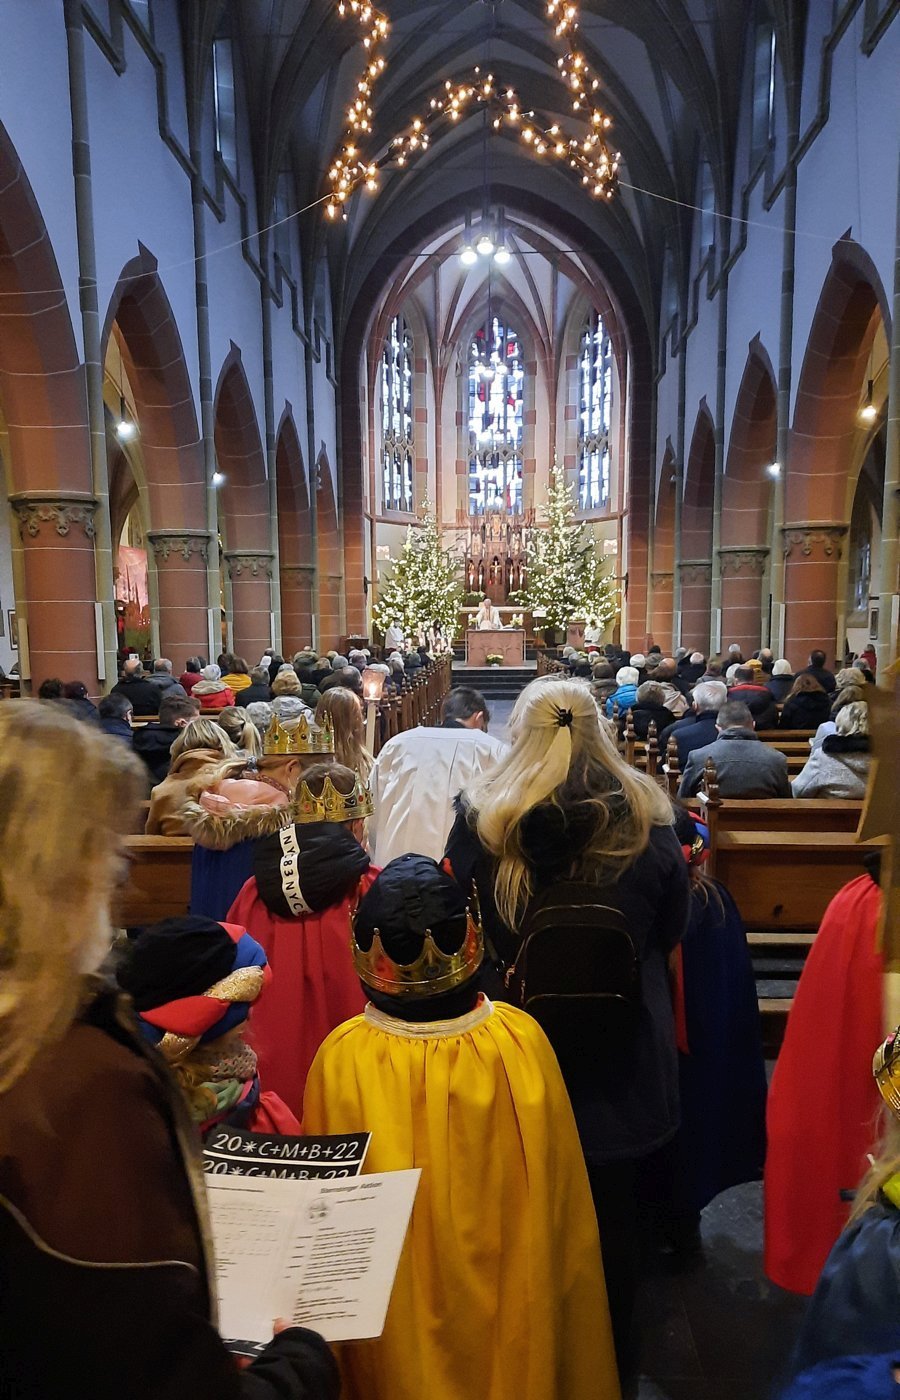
(322, 1253)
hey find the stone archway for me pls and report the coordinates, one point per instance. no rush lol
(746, 497)
(297, 566)
(826, 437)
(243, 512)
(695, 567)
(44, 405)
(141, 321)
(662, 576)
(329, 572)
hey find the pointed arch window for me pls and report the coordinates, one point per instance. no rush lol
(595, 374)
(496, 418)
(397, 417)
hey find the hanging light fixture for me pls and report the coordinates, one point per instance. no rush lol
(126, 428)
(869, 412)
(468, 257)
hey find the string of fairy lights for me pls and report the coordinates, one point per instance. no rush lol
(588, 154)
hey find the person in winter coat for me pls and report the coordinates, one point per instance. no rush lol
(103, 1215)
(781, 682)
(745, 766)
(75, 696)
(625, 693)
(140, 693)
(235, 673)
(191, 674)
(807, 705)
(153, 742)
(199, 750)
(674, 689)
(211, 690)
(840, 767)
(563, 805)
(756, 696)
(259, 688)
(230, 810)
(834, 1022)
(698, 728)
(649, 707)
(115, 718)
(161, 676)
(193, 983)
(307, 878)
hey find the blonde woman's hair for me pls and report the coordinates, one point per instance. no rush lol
(67, 794)
(241, 730)
(852, 718)
(346, 715)
(882, 1169)
(203, 734)
(568, 763)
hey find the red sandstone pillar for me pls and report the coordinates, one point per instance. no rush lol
(250, 572)
(297, 582)
(57, 531)
(181, 563)
(696, 594)
(662, 595)
(812, 555)
(742, 573)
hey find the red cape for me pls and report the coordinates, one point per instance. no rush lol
(314, 987)
(823, 1115)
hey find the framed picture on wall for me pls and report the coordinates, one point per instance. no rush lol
(873, 625)
(13, 631)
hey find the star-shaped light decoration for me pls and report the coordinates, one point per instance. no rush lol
(881, 812)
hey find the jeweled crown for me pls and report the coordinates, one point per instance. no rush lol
(332, 805)
(304, 736)
(432, 973)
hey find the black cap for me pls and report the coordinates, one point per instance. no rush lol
(176, 958)
(410, 896)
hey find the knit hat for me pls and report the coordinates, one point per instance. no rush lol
(782, 668)
(638, 659)
(211, 672)
(192, 980)
(304, 869)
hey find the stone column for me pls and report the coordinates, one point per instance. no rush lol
(742, 571)
(297, 583)
(812, 556)
(181, 558)
(696, 591)
(57, 532)
(250, 572)
(662, 598)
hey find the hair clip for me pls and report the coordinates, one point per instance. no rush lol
(564, 719)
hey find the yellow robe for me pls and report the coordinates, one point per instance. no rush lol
(500, 1292)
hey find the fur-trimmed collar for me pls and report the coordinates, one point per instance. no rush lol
(219, 831)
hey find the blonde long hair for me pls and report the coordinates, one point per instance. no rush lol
(67, 794)
(345, 711)
(241, 730)
(203, 734)
(575, 761)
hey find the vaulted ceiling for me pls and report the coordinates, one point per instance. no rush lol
(670, 75)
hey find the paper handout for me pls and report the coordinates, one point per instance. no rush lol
(322, 1253)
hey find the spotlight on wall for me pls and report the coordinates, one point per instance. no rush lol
(218, 478)
(774, 469)
(868, 413)
(126, 428)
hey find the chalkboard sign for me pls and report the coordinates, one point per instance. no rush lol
(229, 1151)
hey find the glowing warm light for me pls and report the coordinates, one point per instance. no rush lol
(125, 430)
(502, 255)
(218, 478)
(868, 413)
(485, 245)
(468, 257)
(774, 469)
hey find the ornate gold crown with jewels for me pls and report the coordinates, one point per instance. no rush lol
(303, 737)
(332, 805)
(886, 1069)
(432, 973)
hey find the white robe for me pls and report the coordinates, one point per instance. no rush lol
(414, 783)
(394, 638)
(488, 624)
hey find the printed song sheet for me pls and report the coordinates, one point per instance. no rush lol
(323, 1253)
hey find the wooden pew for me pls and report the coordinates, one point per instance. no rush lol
(782, 814)
(785, 880)
(158, 884)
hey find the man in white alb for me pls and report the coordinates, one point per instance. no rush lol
(419, 774)
(487, 617)
(393, 638)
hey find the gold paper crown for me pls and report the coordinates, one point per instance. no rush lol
(432, 973)
(332, 805)
(886, 1069)
(303, 737)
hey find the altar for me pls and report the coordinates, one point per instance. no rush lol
(506, 642)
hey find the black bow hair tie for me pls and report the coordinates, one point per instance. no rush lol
(564, 719)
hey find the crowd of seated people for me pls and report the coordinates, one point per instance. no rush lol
(441, 1022)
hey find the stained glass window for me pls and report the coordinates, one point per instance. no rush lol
(397, 417)
(595, 370)
(496, 419)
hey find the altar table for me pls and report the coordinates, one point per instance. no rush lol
(510, 644)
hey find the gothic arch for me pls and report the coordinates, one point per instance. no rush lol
(697, 532)
(243, 511)
(43, 406)
(297, 567)
(662, 576)
(746, 498)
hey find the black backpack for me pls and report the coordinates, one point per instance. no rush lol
(578, 974)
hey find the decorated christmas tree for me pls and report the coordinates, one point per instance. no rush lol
(424, 586)
(566, 573)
